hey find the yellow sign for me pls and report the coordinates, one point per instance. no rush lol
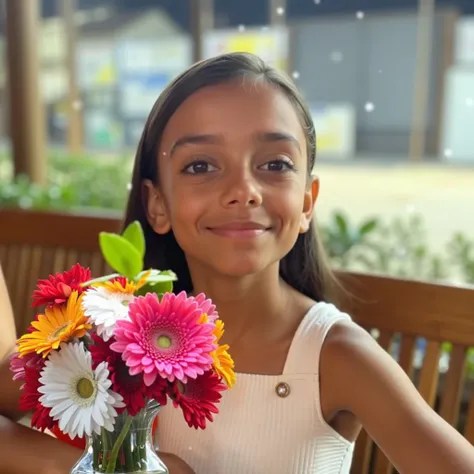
(271, 44)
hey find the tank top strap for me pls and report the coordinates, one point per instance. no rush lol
(305, 350)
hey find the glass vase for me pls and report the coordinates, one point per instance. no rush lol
(129, 449)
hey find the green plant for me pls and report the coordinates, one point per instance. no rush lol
(399, 248)
(344, 241)
(73, 182)
(461, 252)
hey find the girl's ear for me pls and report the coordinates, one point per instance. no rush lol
(156, 210)
(308, 205)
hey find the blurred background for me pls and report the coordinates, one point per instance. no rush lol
(390, 84)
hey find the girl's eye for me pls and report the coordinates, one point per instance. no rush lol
(278, 166)
(199, 167)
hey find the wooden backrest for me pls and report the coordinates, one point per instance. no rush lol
(412, 320)
(34, 245)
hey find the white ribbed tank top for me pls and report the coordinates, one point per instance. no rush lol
(258, 431)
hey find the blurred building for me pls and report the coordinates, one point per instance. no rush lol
(357, 69)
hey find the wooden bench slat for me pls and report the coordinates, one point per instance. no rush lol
(429, 375)
(435, 312)
(451, 399)
(469, 428)
(407, 354)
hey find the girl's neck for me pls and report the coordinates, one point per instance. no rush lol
(262, 296)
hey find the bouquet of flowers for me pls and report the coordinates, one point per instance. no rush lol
(105, 354)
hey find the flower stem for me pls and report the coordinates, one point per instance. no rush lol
(105, 441)
(129, 462)
(118, 442)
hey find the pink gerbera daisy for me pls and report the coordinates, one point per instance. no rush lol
(18, 364)
(131, 387)
(198, 398)
(165, 339)
(207, 307)
(57, 288)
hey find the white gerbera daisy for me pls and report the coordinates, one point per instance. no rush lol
(78, 395)
(105, 308)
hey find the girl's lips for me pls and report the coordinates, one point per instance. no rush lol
(240, 229)
(242, 233)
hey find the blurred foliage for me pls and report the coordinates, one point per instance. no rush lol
(73, 183)
(461, 253)
(344, 241)
(397, 248)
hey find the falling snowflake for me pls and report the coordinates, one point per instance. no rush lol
(296, 75)
(448, 153)
(129, 186)
(241, 28)
(317, 2)
(280, 11)
(369, 107)
(360, 15)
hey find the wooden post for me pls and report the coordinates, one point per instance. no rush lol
(27, 121)
(424, 40)
(67, 9)
(202, 20)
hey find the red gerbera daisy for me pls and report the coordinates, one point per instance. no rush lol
(29, 399)
(132, 387)
(198, 398)
(57, 288)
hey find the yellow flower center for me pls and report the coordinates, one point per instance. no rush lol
(164, 342)
(59, 331)
(85, 388)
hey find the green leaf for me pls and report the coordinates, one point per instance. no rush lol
(157, 276)
(134, 234)
(158, 282)
(159, 288)
(368, 226)
(100, 279)
(341, 223)
(120, 254)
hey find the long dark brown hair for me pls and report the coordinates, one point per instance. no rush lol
(305, 266)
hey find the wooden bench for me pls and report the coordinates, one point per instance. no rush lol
(412, 310)
(34, 245)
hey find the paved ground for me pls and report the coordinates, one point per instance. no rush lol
(443, 194)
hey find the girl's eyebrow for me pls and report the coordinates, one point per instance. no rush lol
(270, 137)
(209, 139)
(195, 140)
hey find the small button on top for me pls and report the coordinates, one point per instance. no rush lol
(282, 389)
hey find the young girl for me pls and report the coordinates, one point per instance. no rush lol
(223, 188)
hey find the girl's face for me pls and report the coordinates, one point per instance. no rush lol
(233, 181)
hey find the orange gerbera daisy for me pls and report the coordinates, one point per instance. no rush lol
(223, 363)
(58, 324)
(123, 285)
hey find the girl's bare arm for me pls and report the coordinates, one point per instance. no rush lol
(7, 322)
(365, 380)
